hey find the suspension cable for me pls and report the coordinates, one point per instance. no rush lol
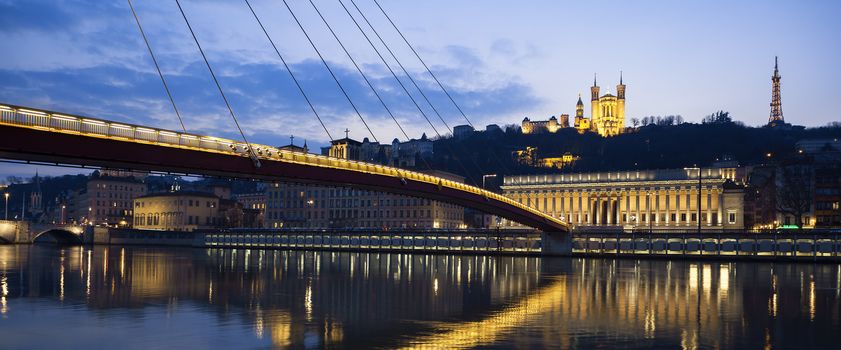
(289, 70)
(160, 74)
(368, 82)
(395, 77)
(344, 92)
(446, 92)
(395, 59)
(424, 64)
(352, 60)
(251, 152)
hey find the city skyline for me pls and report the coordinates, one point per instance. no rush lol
(496, 73)
(384, 174)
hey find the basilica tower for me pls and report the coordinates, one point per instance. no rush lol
(595, 109)
(581, 123)
(608, 111)
(620, 106)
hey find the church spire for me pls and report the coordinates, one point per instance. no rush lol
(37, 182)
(620, 89)
(594, 90)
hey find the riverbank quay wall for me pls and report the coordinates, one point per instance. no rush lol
(807, 245)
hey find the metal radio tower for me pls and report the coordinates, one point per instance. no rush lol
(776, 105)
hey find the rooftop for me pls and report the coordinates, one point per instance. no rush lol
(180, 194)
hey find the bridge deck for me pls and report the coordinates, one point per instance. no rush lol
(38, 135)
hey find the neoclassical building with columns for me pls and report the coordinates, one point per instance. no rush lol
(656, 199)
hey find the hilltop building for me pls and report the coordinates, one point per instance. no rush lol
(539, 126)
(292, 147)
(462, 131)
(582, 124)
(398, 154)
(607, 115)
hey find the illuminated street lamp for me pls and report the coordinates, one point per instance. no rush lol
(62, 214)
(7, 205)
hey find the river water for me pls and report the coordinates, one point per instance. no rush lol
(183, 298)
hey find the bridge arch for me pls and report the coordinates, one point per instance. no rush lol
(31, 135)
(58, 236)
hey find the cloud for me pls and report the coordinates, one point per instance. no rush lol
(89, 59)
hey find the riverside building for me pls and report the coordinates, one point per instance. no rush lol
(311, 206)
(177, 211)
(650, 199)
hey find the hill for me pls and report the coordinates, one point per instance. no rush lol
(648, 147)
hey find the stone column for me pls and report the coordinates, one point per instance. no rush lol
(709, 212)
(720, 196)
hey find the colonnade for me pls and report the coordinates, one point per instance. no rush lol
(643, 206)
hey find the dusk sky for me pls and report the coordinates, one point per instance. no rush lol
(502, 60)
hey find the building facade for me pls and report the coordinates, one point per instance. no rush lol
(177, 211)
(540, 126)
(312, 206)
(397, 154)
(608, 111)
(828, 196)
(581, 123)
(607, 115)
(655, 199)
(462, 131)
(106, 200)
(253, 208)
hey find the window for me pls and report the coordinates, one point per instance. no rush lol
(694, 217)
(683, 217)
(731, 217)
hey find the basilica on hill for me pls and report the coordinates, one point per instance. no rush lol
(607, 115)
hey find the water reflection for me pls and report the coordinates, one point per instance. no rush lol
(196, 298)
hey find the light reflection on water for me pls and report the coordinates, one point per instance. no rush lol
(137, 297)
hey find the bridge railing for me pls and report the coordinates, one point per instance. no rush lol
(63, 123)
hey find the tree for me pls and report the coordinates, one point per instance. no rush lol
(720, 117)
(635, 122)
(794, 190)
(14, 180)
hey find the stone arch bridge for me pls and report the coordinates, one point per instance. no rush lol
(27, 232)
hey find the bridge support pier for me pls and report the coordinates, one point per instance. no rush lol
(556, 243)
